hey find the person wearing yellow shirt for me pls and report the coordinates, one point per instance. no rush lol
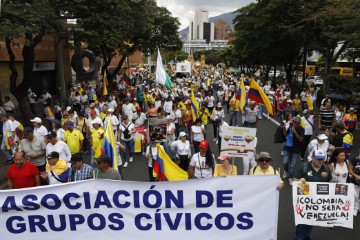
(264, 168)
(204, 114)
(225, 168)
(73, 138)
(96, 139)
(181, 106)
(297, 103)
(234, 110)
(148, 98)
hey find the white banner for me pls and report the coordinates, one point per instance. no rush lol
(323, 204)
(238, 141)
(217, 208)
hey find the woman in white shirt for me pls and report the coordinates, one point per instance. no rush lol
(338, 167)
(198, 133)
(151, 154)
(202, 163)
(176, 115)
(56, 124)
(127, 129)
(170, 136)
(183, 151)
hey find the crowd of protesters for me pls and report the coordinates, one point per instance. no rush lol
(53, 149)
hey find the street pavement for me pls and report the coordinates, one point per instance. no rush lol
(137, 171)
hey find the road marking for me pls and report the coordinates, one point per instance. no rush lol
(271, 119)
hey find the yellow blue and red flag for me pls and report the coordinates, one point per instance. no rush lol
(126, 77)
(109, 145)
(166, 169)
(195, 106)
(258, 95)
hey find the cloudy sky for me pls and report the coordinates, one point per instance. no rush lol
(184, 9)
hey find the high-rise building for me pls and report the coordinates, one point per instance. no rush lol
(222, 29)
(201, 34)
(200, 28)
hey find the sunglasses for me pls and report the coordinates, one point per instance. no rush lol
(320, 159)
(266, 160)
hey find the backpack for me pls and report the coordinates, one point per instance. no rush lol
(126, 133)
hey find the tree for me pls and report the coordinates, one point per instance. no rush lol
(140, 26)
(31, 20)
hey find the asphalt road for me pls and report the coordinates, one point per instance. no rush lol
(137, 171)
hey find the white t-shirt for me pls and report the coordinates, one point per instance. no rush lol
(139, 120)
(60, 134)
(84, 99)
(60, 147)
(169, 128)
(218, 114)
(40, 132)
(128, 109)
(340, 173)
(168, 106)
(182, 148)
(198, 134)
(8, 126)
(177, 114)
(223, 125)
(308, 127)
(130, 127)
(202, 170)
(114, 121)
(211, 100)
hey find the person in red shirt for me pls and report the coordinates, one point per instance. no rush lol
(22, 174)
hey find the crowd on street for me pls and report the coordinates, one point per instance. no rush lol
(51, 150)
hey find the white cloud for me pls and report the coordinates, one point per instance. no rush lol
(184, 9)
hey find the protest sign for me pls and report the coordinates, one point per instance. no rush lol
(323, 204)
(107, 210)
(238, 141)
(157, 126)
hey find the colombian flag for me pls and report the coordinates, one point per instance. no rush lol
(257, 94)
(9, 140)
(166, 169)
(126, 77)
(195, 106)
(105, 86)
(19, 130)
(109, 145)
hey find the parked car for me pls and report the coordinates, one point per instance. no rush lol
(315, 80)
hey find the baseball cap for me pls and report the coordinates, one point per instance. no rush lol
(27, 130)
(92, 104)
(204, 144)
(36, 120)
(217, 121)
(296, 119)
(351, 109)
(69, 124)
(319, 154)
(52, 155)
(110, 110)
(51, 134)
(76, 158)
(138, 108)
